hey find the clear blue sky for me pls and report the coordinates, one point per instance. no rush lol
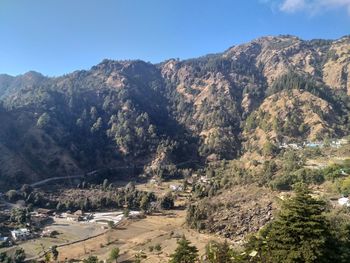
(59, 36)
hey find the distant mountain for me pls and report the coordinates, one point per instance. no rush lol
(121, 113)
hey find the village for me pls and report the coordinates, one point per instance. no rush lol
(48, 228)
(67, 227)
(334, 143)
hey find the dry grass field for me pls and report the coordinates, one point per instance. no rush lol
(138, 235)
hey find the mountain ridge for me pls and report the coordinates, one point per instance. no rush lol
(203, 109)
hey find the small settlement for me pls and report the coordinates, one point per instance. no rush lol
(335, 143)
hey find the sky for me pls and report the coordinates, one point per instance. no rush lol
(55, 37)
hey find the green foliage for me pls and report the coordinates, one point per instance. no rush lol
(196, 213)
(114, 254)
(107, 198)
(54, 252)
(111, 224)
(21, 216)
(293, 80)
(158, 247)
(43, 121)
(302, 175)
(219, 253)
(126, 212)
(269, 149)
(300, 233)
(91, 259)
(145, 203)
(167, 201)
(139, 256)
(332, 172)
(19, 256)
(184, 253)
(345, 186)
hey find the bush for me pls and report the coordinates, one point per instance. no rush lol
(345, 186)
(283, 182)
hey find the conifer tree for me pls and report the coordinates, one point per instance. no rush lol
(300, 233)
(184, 253)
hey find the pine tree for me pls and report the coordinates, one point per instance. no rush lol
(54, 252)
(300, 233)
(184, 253)
(219, 253)
(114, 254)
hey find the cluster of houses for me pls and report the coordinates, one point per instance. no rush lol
(336, 143)
(21, 234)
(77, 216)
(38, 219)
(15, 235)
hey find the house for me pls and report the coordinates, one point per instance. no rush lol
(176, 188)
(190, 181)
(343, 172)
(2, 239)
(314, 144)
(344, 201)
(74, 217)
(20, 234)
(79, 213)
(294, 146)
(339, 142)
(71, 217)
(343, 141)
(88, 217)
(46, 233)
(204, 179)
(153, 181)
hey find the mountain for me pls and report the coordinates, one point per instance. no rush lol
(132, 113)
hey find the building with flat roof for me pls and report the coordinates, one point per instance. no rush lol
(20, 234)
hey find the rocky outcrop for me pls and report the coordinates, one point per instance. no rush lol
(234, 213)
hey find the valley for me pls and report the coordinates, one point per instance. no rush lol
(213, 154)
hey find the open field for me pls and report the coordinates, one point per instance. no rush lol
(137, 235)
(68, 232)
(329, 156)
(159, 188)
(323, 162)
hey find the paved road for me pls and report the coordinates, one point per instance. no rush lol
(55, 179)
(93, 172)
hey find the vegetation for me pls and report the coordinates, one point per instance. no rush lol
(91, 259)
(184, 253)
(219, 253)
(300, 233)
(18, 257)
(114, 254)
(131, 112)
(189, 120)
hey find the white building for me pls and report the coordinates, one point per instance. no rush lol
(344, 201)
(176, 188)
(20, 234)
(3, 239)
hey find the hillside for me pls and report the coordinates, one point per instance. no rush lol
(133, 113)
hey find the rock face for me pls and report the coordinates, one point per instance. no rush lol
(213, 107)
(234, 213)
